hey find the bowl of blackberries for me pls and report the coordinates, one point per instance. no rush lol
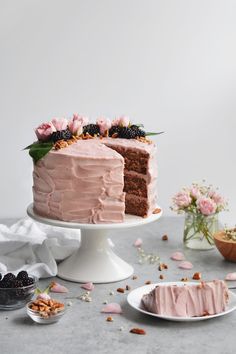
(16, 290)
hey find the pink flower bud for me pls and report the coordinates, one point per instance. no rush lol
(44, 131)
(60, 123)
(104, 124)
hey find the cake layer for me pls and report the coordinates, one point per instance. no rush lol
(140, 174)
(80, 183)
(189, 300)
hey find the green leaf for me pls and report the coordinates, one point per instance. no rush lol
(29, 146)
(39, 149)
(151, 133)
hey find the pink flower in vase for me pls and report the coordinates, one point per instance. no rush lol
(60, 123)
(206, 205)
(194, 192)
(218, 199)
(104, 124)
(182, 199)
(44, 131)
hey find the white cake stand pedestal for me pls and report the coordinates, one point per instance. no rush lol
(95, 260)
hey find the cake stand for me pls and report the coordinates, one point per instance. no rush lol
(95, 260)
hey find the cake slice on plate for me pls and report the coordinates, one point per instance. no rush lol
(206, 298)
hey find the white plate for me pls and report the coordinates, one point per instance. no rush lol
(135, 296)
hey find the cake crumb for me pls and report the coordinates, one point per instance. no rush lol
(134, 277)
(165, 238)
(156, 211)
(148, 282)
(127, 287)
(161, 276)
(162, 266)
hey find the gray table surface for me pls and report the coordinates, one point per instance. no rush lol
(85, 329)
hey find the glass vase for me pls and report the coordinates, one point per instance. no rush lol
(199, 230)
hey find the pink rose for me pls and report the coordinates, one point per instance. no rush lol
(44, 131)
(194, 192)
(115, 122)
(60, 123)
(122, 121)
(104, 124)
(182, 199)
(75, 125)
(84, 120)
(217, 198)
(206, 206)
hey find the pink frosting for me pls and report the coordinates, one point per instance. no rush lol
(187, 300)
(88, 190)
(185, 265)
(177, 256)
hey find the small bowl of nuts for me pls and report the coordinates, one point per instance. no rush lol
(225, 241)
(45, 311)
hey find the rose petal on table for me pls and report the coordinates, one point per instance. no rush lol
(58, 288)
(230, 276)
(138, 242)
(177, 256)
(88, 286)
(112, 308)
(43, 296)
(185, 265)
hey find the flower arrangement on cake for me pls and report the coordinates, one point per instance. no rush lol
(61, 132)
(201, 205)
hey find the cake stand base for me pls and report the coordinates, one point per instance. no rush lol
(95, 260)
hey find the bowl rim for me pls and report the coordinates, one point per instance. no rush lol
(23, 287)
(218, 237)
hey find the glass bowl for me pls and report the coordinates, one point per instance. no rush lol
(36, 317)
(15, 298)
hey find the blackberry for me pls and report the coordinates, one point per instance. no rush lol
(114, 130)
(127, 133)
(91, 129)
(22, 275)
(18, 284)
(61, 135)
(9, 277)
(139, 132)
(28, 281)
(4, 284)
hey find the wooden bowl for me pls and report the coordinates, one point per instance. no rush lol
(226, 247)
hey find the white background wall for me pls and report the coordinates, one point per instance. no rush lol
(169, 64)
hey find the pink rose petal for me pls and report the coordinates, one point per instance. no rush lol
(177, 256)
(88, 286)
(186, 265)
(138, 242)
(230, 276)
(43, 296)
(58, 288)
(112, 308)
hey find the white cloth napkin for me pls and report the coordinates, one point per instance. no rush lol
(28, 245)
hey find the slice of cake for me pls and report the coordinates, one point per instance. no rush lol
(206, 298)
